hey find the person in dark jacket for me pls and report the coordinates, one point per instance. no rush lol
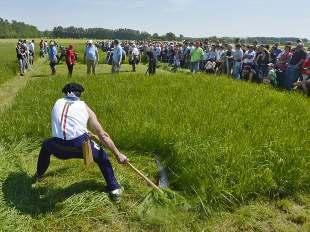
(151, 54)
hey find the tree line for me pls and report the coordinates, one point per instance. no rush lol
(103, 33)
(16, 29)
(130, 34)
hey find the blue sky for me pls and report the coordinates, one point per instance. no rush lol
(188, 17)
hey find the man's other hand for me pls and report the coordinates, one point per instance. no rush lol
(122, 159)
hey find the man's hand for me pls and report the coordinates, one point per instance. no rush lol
(121, 158)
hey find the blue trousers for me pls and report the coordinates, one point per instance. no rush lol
(237, 70)
(194, 66)
(292, 75)
(72, 149)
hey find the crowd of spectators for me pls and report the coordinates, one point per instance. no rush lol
(284, 66)
(25, 55)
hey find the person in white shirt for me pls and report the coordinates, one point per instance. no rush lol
(249, 56)
(31, 51)
(134, 57)
(158, 51)
(70, 117)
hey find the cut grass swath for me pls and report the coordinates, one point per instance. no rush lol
(94, 137)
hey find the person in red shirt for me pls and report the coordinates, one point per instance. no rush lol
(305, 71)
(70, 60)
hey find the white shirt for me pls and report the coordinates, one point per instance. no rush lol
(249, 57)
(158, 51)
(69, 119)
(135, 51)
(219, 54)
(31, 47)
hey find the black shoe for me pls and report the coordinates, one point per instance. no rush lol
(115, 195)
(37, 178)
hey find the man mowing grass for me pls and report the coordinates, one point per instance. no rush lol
(70, 117)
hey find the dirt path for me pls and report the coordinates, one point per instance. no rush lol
(10, 88)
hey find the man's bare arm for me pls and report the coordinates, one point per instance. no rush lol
(104, 136)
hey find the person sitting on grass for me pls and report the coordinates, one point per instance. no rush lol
(272, 75)
(70, 117)
(210, 60)
(248, 73)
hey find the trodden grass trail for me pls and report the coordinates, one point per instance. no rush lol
(12, 86)
(230, 170)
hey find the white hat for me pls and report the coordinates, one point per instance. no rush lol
(90, 41)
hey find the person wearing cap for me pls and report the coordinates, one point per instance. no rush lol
(91, 57)
(52, 56)
(70, 117)
(272, 75)
(117, 57)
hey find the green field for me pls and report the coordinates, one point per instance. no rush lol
(8, 61)
(237, 155)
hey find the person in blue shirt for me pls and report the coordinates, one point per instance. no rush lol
(274, 53)
(117, 57)
(52, 56)
(91, 57)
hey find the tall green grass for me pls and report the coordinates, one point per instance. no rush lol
(8, 61)
(223, 142)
